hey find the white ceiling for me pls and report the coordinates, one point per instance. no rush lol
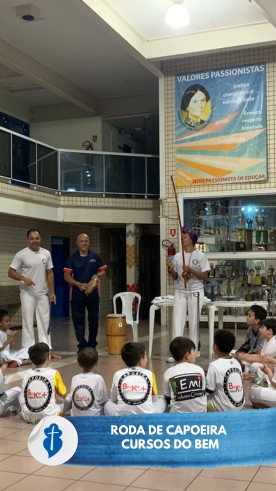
(100, 56)
(148, 16)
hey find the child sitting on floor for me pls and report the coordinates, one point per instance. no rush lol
(88, 390)
(134, 389)
(8, 398)
(224, 377)
(12, 358)
(43, 388)
(184, 383)
(255, 361)
(253, 342)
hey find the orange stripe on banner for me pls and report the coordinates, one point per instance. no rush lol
(226, 142)
(207, 169)
(211, 127)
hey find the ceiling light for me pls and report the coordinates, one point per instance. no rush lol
(177, 15)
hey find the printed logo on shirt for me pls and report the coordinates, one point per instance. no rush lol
(83, 397)
(37, 393)
(44, 261)
(233, 387)
(92, 260)
(134, 388)
(187, 386)
(194, 262)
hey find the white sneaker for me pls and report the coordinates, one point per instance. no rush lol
(170, 360)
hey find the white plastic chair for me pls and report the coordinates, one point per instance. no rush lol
(127, 301)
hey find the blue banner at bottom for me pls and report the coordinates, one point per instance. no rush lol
(177, 440)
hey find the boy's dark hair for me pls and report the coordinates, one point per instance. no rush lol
(259, 311)
(132, 353)
(180, 346)
(88, 358)
(3, 313)
(224, 340)
(38, 353)
(33, 230)
(268, 323)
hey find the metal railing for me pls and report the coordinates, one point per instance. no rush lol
(27, 162)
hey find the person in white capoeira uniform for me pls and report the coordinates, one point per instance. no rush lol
(184, 383)
(190, 298)
(88, 390)
(13, 358)
(224, 377)
(35, 264)
(43, 391)
(134, 389)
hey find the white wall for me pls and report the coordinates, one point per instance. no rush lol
(9, 105)
(69, 133)
(112, 140)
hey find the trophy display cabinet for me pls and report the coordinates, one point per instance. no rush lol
(238, 234)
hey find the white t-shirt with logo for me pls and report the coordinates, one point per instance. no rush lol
(196, 260)
(184, 383)
(224, 380)
(133, 390)
(33, 265)
(88, 394)
(39, 390)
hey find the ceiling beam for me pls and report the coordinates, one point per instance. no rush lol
(44, 76)
(211, 41)
(126, 36)
(268, 7)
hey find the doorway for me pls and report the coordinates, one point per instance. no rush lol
(149, 274)
(60, 253)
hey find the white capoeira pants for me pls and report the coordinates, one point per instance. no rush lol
(6, 356)
(10, 400)
(40, 305)
(263, 395)
(187, 304)
(160, 405)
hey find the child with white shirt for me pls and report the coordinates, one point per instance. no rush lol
(224, 377)
(88, 390)
(184, 383)
(134, 389)
(13, 358)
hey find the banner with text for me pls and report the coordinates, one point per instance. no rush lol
(220, 126)
(176, 439)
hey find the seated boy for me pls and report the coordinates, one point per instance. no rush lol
(262, 397)
(255, 361)
(224, 377)
(253, 342)
(8, 398)
(134, 389)
(88, 390)
(184, 383)
(42, 386)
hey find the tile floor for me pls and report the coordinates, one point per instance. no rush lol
(20, 472)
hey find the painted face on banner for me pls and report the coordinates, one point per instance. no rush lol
(197, 106)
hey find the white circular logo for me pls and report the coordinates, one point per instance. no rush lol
(134, 388)
(53, 441)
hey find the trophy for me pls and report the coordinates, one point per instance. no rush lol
(261, 233)
(261, 220)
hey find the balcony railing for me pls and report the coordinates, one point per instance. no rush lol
(26, 162)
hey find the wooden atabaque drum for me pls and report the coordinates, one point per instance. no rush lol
(115, 333)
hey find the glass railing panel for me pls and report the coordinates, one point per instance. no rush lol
(5, 154)
(23, 160)
(47, 167)
(153, 176)
(125, 174)
(81, 172)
